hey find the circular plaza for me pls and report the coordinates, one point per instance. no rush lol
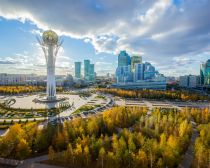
(34, 101)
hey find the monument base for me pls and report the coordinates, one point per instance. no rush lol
(50, 99)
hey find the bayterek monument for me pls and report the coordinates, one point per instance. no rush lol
(50, 44)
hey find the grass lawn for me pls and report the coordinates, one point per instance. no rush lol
(86, 108)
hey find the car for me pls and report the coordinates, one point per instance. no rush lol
(67, 118)
(85, 112)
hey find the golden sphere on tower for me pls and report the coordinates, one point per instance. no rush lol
(50, 37)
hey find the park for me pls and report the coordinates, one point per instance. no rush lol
(106, 128)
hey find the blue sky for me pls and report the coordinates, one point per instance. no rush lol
(19, 51)
(174, 35)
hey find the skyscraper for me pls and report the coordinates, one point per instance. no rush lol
(138, 72)
(91, 72)
(123, 69)
(205, 73)
(149, 71)
(123, 59)
(77, 69)
(133, 74)
(135, 60)
(119, 74)
(127, 73)
(202, 71)
(86, 69)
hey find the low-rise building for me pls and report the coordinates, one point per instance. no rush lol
(12, 79)
(184, 81)
(189, 81)
(194, 81)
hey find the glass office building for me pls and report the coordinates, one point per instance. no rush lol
(86, 69)
(138, 72)
(133, 74)
(77, 69)
(135, 60)
(149, 71)
(91, 73)
(123, 59)
(205, 73)
(124, 74)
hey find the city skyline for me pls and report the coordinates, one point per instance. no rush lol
(172, 35)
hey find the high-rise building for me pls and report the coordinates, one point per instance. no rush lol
(77, 69)
(205, 73)
(119, 74)
(123, 59)
(131, 73)
(127, 74)
(135, 60)
(138, 72)
(86, 69)
(202, 72)
(149, 71)
(91, 73)
(124, 74)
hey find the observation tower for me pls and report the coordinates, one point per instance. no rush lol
(50, 44)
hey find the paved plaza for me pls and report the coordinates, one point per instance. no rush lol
(27, 101)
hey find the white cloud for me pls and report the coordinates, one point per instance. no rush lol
(155, 28)
(36, 63)
(36, 32)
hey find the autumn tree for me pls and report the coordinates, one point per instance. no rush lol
(101, 156)
(51, 153)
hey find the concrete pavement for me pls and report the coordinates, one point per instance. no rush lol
(77, 104)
